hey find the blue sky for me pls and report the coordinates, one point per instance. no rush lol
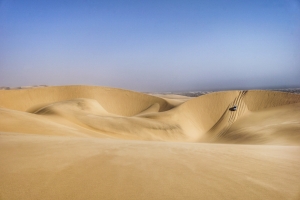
(166, 45)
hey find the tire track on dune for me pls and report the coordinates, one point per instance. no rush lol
(235, 103)
(240, 107)
(229, 117)
(234, 115)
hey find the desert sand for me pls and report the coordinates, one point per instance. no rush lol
(90, 142)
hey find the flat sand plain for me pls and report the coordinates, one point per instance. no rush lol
(89, 142)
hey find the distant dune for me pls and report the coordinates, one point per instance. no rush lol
(89, 142)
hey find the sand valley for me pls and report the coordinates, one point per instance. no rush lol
(90, 142)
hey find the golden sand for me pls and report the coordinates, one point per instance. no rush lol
(88, 142)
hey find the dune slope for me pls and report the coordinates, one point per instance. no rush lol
(39, 167)
(88, 142)
(116, 113)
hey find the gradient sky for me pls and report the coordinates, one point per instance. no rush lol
(157, 45)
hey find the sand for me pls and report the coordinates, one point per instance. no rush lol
(89, 142)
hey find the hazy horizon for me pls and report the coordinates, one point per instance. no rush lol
(151, 46)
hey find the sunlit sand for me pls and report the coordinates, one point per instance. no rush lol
(88, 142)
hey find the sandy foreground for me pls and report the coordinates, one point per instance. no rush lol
(89, 142)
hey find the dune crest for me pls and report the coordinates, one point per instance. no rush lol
(87, 142)
(116, 101)
(74, 105)
(115, 113)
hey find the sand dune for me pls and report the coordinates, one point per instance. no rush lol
(88, 142)
(115, 101)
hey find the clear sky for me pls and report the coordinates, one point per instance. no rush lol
(154, 45)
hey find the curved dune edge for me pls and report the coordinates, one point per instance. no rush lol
(262, 117)
(87, 142)
(117, 101)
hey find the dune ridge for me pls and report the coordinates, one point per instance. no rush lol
(89, 142)
(33, 98)
(125, 114)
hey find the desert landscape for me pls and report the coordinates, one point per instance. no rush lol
(142, 100)
(92, 142)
